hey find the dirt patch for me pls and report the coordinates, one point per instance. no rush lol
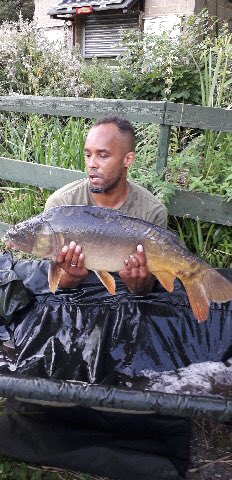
(211, 450)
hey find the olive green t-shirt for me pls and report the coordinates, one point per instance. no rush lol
(140, 203)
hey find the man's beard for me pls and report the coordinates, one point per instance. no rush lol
(105, 188)
(97, 189)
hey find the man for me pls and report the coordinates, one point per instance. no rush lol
(109, 152)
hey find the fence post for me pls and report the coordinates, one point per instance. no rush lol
(162, 151)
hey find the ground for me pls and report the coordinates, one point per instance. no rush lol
(211, 451)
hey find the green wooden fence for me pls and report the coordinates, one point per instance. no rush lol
(194, 205)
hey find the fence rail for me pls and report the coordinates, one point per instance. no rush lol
(166, 114)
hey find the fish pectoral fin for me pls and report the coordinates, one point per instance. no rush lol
(166, 279)
(198, 300)
(54, 274)
(107, 280)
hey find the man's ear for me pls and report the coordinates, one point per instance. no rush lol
(129, 159)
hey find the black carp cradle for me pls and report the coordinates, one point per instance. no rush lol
(107, 238)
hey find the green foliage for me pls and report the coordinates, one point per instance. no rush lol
(31, 65)
(20, 203)
(55, 141)
(165, 65)
(11, 9)
(209, 241)
(99, 78)
(186, 168)
(12, 470)
(143, 169)
(152, 66)
(46, 140)
(205, 165)
(214, 68)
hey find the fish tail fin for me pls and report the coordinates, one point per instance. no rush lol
(54, 274)
(217, 287)
(209, 286)
(107, 280)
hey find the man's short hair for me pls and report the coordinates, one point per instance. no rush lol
(123, 125)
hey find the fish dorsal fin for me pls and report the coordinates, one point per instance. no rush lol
(198, 300)
(166, 279)
(107, 280)
(54, 274)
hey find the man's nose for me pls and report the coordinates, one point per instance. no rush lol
(92, 161)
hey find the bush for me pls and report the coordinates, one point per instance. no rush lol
(31, 65)
(152, 67)
(164, 66)
(158, 66)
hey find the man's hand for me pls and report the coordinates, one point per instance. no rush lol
(136, 275)
(71, 260)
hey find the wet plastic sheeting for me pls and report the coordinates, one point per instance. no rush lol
(114, 344)
(90, 336)
(87, 352)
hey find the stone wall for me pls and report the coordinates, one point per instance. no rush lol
(52, 28)
(41, 16)
(154, 8)
(160, 15)
(164, 14)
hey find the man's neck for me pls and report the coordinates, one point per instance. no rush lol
(113, 198)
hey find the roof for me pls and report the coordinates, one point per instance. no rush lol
(68, 7)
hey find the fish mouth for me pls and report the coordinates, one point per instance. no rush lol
(8, 243)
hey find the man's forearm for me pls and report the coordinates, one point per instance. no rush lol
(141, 286)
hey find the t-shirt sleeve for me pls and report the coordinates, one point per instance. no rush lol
(159, 216)
(53, 201)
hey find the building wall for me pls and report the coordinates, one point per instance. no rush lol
(169, 7)
(224, 12)
(41, 16)
(53, 29)
(218, 8)
(164, 14)
(158, 14)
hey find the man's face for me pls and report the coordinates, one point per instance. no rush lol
(106, 157)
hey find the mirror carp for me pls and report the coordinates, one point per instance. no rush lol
(107, 238)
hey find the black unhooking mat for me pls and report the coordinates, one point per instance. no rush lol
(103, 384)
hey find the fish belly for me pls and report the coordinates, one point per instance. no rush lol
(103, 252)
(107, 259)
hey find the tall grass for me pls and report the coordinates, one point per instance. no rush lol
(214, 68)
(209, 241)
(46, 140)
(143, 169)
